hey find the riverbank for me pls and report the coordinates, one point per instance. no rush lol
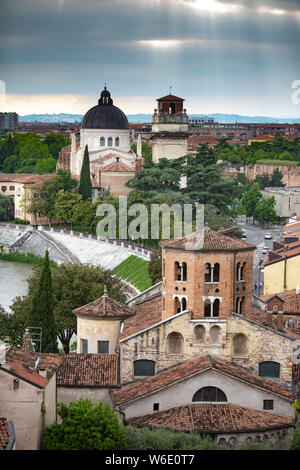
(27, 258)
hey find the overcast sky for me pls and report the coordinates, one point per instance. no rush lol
(225, 56)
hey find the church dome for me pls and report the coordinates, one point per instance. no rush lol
(105, 115)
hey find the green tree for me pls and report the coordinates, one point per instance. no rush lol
(11, 329)
(85, 185)
(73, 285)
(250, 199)
(154, 267)
(46, 165)
(85, 427)
(41, 312)
(65, 204)
(276, 178)
(44, 196)
(157, 178)
(265, 210)
(6, 207)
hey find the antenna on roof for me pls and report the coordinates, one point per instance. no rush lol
(170, 89)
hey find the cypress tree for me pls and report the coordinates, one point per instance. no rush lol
(85, 185)
(41, 313)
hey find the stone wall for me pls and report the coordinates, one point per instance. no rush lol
(261, 344)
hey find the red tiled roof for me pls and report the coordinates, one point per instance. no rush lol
(170, 97)
(25, 178)
(105, 307)
(21, 361)
(213, 418)
(184, 370)
(147, 313)
(260, 316)
(211, 241)
(4, 433)
(88, 370)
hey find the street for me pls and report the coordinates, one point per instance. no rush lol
(256, 235)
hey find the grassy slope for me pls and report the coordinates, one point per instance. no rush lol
(135, 271)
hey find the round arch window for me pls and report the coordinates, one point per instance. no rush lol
(209, 394)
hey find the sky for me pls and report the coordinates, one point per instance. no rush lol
(221, 56)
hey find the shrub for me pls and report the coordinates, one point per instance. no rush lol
(85, 427)
(162, 439)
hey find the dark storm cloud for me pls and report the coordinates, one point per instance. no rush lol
(67, 46)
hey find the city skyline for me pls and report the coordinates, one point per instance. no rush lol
(221, 56)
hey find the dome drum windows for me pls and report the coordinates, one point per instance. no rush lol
(212, 273)
(109, 141)
(117, 142)
(102, 142)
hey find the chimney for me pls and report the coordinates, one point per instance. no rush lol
(279, 321)
(27, 343)
(43, 372)
(270, 319)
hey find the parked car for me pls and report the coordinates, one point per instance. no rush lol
(268, 236)
(265, 250)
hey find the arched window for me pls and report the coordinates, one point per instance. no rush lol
(200, 333)
(117, 141)
(102, 142)
(177, 271)
(240, 345)
(209, 394)
(215, 334)
(269, 369)
(207, 308)
(143, 368)
(183, 304)
(216, 273)
(172, 108)
(184, 271)
(216, 307)
(207, 273)
(109, 141)
(237, 305)
(242, 306)
(242, 271)
(174, 343)
(177, 305)
(238, 266)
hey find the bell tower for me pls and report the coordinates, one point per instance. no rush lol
(170, 127)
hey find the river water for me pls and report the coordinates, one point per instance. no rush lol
(13, 281)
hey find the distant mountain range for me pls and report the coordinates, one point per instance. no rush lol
(141, 118)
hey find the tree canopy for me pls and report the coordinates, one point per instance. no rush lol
(85, 427)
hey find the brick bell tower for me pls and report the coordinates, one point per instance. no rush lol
(170, 127)
(211, 280)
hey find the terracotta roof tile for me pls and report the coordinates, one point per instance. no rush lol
(213, 418)
(184, 370)
(147, 313)
(25, 178)
(211, 241)
(88, 370)
(21, 361)
(4, 433)
(105, 307)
